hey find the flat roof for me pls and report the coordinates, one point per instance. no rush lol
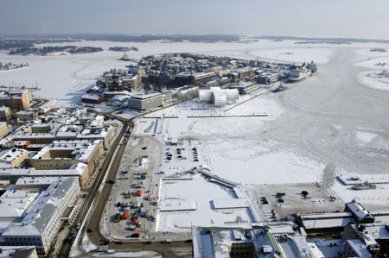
(145, 96)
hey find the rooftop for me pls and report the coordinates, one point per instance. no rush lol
(11, 154)
(40, 213)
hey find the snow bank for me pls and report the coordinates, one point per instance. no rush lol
(373, 80)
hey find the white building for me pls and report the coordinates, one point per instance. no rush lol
(145, 102)
(41, 222)
(219, 97)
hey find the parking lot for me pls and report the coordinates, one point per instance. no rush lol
(279, 201)
(130, 211)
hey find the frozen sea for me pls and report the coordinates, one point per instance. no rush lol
(330, 118)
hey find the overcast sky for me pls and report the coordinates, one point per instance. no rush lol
(313, 18)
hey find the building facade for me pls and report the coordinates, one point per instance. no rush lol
(16, 99)
(3, 129)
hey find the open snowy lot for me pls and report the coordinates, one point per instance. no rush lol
(200, 205)
(232, 146)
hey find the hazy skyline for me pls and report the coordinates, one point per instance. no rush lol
(320, 18)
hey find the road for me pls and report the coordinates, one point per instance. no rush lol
(99, 198)
(64, 252)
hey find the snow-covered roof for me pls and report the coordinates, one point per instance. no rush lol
(230, 203)
(81, 149)
(43, 209)
(31, 182)
(359, 248)
(357, 209)
(75, 170)
(327, 223)
(11, 154)
(145, 96)
(13, 203)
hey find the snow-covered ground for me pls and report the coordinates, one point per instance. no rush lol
(374, 80)
(232, 147)
(186, 193)
(372, 198)
(375, 62)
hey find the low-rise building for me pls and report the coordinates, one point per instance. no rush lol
(106, 134)
(18, 252)
(324, 222)
(80, 170)
(65, 154)
(26, 115)
(360, 214)
(144, 102)
(5, 113)
(245, 87)
(41, 128)
(14, 157)
(273, 240)
(43, 219)
(15, 99)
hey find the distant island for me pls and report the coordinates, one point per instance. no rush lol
(54, 50)
(323, 42)
(123, 49)
(11, 66)
(378, 49)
